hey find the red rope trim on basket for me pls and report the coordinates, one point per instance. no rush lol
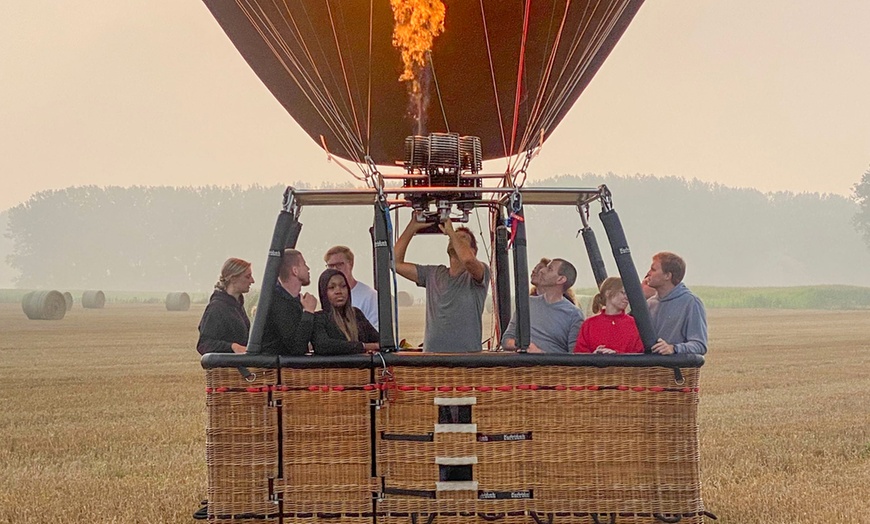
(323, 388)
(369, 514)
(538, 387)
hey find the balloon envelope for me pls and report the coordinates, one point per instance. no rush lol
(504, 70)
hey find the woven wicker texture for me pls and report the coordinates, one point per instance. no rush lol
(327, 441)
(626, 450)
(241, 445)
(561, 443)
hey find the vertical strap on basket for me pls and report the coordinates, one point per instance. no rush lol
(539, 520)
(429, 520)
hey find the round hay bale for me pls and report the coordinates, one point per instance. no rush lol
(68, 298)
(44, 305)
(405, 299)
(93, 299)
(177, 302)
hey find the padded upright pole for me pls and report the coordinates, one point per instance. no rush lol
(287, 229)
(521, 278)
(595, 259)
(383, 263)
(502, 278)
(630, 280)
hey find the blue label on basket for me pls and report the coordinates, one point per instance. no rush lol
(502, 495)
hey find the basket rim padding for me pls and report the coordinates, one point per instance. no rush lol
(465, 360)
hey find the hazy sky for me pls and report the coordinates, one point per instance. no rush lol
(769, 94)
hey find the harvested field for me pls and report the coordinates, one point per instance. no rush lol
(103, 415)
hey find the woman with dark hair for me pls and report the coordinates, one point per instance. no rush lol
(611, 330)
(224, 326)
(340, 328)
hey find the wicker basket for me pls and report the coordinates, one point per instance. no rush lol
(402, 439)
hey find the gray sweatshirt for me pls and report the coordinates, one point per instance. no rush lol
(553, 327)
(679, 319)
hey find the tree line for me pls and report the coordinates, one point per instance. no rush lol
(175, 238)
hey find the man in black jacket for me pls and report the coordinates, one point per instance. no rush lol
(291, 315)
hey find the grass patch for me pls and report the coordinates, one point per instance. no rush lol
(104, 414)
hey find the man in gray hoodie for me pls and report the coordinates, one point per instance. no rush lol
(678, 316)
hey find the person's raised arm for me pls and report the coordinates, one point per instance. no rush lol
(295, 324)
(407, 269)
(464, 252)
(306, 322)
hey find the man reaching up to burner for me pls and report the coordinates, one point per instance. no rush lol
(455, 295)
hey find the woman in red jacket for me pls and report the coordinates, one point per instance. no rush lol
(610, 330)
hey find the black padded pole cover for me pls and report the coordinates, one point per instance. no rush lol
(502, 278)
(630, 280)
(286, 233)
(595, 260)
(382, 280)
(521, 281)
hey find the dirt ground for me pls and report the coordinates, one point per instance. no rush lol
(102, 416)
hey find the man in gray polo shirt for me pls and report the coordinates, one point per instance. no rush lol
(554, 321)
(455, 295)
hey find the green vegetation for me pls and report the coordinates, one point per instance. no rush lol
(801, 297)
(861, 196)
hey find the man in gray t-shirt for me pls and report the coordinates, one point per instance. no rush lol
(455, 295)
(554, 320)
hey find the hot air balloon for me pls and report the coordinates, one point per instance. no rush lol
(437, 87)
(504, 71)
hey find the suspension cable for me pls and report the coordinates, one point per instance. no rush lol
(438, 89)
(320, 100)
(343, 68)
(494, 84)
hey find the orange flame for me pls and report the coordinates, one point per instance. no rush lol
(418, 22)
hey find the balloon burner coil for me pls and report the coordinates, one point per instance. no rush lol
(444, 160)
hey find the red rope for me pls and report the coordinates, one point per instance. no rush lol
(444, 389)
(522, 62)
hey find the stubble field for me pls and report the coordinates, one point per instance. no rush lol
(102, 416)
